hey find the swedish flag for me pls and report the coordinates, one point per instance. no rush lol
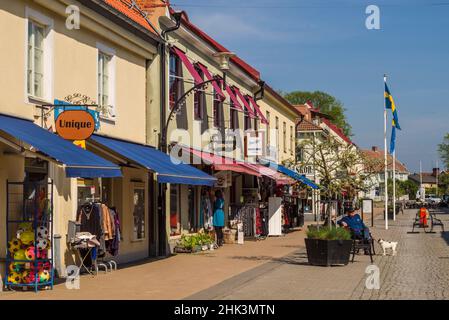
(389, 104)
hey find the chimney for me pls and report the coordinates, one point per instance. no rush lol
(435, 171)
(375, 149)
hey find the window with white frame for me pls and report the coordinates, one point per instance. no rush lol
(105, 78)
(38, 64)
(35, 64)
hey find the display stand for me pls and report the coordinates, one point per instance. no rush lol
(29, 234)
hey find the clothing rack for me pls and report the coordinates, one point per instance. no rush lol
(96, 227)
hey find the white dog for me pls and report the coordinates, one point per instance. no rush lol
(388, 245)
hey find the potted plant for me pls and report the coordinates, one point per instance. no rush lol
(327, 246)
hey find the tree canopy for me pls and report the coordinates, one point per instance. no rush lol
(443, 149)
(326, 103)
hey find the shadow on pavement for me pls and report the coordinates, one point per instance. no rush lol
(445, 236)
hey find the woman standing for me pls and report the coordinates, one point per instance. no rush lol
(218, 220)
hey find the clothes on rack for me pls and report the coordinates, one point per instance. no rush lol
(103, 222)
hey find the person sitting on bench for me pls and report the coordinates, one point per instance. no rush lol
(354, 222)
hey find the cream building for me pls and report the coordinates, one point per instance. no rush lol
(112, 59)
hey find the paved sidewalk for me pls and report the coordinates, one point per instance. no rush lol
(419, 271)
(176, 277)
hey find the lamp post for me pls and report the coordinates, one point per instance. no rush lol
(223, 58)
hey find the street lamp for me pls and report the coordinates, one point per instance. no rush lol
(223, 59)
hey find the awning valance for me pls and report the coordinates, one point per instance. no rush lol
(221, 163)
(245, 103)
(168, 170)
(290, 173)
(257, 108)
(78, 162)
(209, 76)
(188, 65)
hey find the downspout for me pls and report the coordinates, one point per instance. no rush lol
(162, 188)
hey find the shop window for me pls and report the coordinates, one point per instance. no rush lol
(88, 191)
(284, 136)
(35, 68)
(291, 140)
(268, 127)
(199, 99)
(175, 78)
(106, 82)
(192, 212)
(218, 105)
(139, 211)
(175, 216)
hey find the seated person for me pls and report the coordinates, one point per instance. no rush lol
(353, 221)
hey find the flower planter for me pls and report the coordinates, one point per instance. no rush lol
(328, 252)
(182, 250)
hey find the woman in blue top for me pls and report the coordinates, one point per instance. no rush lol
(218, 220)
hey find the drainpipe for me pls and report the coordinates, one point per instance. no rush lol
(162, 188)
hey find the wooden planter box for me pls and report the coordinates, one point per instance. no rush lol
(328, 252)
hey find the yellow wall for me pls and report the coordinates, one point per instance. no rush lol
(277, 109)
(74, 70)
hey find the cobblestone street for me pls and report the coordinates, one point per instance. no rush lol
(419, 271)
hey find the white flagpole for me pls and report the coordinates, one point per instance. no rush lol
(386, 163)
(394, 185)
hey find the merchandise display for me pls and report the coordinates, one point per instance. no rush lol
(29, 234)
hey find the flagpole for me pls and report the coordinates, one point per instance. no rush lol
(394, 185)
(385, 154)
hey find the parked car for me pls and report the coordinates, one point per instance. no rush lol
(433, 199)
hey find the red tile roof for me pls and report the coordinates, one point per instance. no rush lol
(306, 125)
(125, 7)
(379, 155)
(253, 73)
(337, 130)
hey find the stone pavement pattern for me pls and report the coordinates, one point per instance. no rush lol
(277, 268)
(419, 271)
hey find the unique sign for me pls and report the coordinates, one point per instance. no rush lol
(75, 125)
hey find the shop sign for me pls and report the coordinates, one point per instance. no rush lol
(75, 125)
(224, 179)
(254, 146)
(71, 104)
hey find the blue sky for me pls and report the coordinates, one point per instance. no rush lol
(324, 45)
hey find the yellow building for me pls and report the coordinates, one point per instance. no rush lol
(110, 60)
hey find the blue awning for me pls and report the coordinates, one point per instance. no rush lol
(154, 160)
(290, 173)
(79, 163)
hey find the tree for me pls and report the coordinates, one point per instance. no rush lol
(340, 167)
(326, 103)
(408, 187)
(443, 149)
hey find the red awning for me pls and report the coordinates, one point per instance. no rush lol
(210, 77)
(245, 102)
(277, 176)
(257, 108)
(234, 99)
(223, 163)
(188, 65)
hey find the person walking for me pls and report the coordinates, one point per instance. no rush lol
(218, 220)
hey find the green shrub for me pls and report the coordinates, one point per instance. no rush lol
(326, 233)
(191, 241)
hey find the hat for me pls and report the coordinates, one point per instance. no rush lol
(350, 209)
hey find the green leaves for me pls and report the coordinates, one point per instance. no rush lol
(326, 103)
(328, 233)
(191, 241)
(443, 149)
